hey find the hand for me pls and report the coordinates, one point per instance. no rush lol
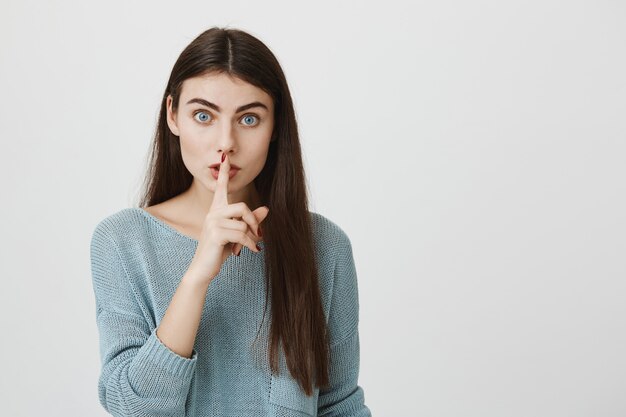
(226, 229)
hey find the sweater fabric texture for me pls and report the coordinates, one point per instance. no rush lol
(137, 261)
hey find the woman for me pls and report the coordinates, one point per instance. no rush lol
(223, 232)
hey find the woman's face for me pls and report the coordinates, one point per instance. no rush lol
(218, 114)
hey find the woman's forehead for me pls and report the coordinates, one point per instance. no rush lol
(223, 88)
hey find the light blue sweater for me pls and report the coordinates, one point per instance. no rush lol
(137, 262)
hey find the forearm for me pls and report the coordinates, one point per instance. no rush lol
(179, 325)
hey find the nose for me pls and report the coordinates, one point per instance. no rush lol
(226, 140)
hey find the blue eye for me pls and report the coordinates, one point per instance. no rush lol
(248, 117)
(204, 116)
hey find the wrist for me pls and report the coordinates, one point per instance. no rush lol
(195, 277)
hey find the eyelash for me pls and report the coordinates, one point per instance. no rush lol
(247, 114)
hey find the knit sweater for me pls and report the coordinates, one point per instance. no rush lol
(137, 262)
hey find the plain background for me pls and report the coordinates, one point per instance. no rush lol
(474, 153)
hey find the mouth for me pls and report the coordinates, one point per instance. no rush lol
(215, 171)
(232, 166)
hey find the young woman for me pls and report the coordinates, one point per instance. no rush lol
(223, 235)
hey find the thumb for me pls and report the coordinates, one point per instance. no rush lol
(261, 213)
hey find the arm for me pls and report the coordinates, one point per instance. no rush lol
(140, 375)
(344, 397)
(179, 325)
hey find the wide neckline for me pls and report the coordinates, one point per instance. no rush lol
(175, 231)
(165, 225)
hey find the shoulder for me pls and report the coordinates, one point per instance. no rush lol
(328, 233)
(120, 226)
(333, 247)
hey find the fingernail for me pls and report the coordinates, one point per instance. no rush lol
(223, 157)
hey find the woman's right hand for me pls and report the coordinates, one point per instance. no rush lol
(225, 226)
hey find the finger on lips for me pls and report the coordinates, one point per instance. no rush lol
(221, 195)
(222, 190)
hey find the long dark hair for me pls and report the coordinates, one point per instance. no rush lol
(290, 266)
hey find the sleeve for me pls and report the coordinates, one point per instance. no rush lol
(344, 397)
(140, 376)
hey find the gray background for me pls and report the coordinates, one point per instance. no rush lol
(473, 152)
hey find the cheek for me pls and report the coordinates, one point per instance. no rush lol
(260, 156)
(190, 153)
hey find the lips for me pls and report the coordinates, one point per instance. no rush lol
(216, 170)
(232, 166)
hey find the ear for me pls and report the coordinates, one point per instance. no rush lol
(171, 117)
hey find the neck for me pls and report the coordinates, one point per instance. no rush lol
(198, 199)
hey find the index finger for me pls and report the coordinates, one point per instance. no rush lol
(220, 198)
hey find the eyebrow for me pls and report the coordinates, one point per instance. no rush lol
(218, 109)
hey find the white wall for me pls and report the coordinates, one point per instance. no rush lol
(474, 152)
